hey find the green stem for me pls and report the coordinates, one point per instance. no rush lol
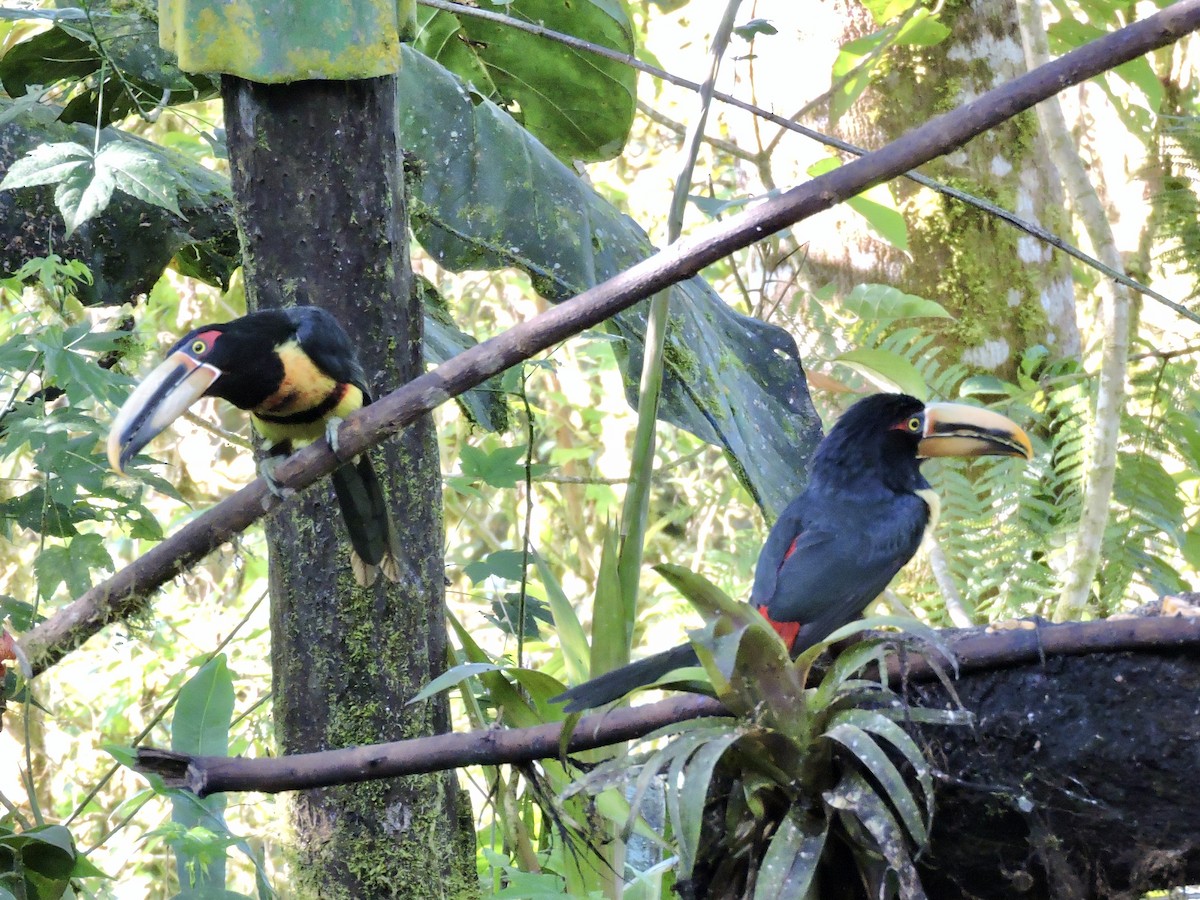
(637, 496)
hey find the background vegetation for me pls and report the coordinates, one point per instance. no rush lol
(539, 522)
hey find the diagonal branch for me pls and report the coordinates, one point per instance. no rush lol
(126, 592)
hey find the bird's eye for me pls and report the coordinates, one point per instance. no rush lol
(914, 424)
(199, 347)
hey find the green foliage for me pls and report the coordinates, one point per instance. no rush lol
(86, 180)
(1177, 205)
(106, 60)
(859, 59)
(40, 863)
(579, 105)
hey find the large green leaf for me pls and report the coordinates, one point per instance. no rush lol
(38, 863)
(578, 104)
(137, 73)
(489, 196)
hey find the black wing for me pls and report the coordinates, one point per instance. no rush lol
(827, 575)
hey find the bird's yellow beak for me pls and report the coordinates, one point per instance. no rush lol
(955, 429)
(174, 385)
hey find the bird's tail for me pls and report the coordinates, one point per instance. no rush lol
(365, 511)
(619, 682)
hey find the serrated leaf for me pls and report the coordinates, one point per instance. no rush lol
(892, 371)
(502, 467)
(872, 302)
(506, 564)
(46, 164)
(83, 194)
(140, 173)
(72, 564)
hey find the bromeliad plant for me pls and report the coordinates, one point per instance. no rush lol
(762, 804)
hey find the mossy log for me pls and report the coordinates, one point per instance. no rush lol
(1077, 780)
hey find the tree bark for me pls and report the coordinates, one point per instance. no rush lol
(1076, 782)
(319, 196)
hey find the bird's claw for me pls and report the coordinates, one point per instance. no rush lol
(331, 433)
(266, 470)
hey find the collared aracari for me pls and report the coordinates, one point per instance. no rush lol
(860, 519)
(297, 373)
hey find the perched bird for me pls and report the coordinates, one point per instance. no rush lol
(860, 519)
(297, 373)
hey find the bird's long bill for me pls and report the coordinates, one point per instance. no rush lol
(954, 429)
(177, 383)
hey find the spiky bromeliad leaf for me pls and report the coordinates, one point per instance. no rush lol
(688, 780)
(891, 783)
(489, 196)
(789, 867)
(855, 797)
(877, 723)
(744, 657)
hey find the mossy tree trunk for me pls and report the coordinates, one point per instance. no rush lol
(319, 197)
(1007, 290)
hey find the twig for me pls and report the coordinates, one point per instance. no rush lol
(125, 592)
(204, 775)
(975, 651)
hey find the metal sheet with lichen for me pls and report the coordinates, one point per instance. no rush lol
(274, 42)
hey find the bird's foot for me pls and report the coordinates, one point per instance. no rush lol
(266, 470)
(331, 433)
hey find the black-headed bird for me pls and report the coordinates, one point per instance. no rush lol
(860, 519)
(297, 373)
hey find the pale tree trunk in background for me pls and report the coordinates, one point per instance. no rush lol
(1115, 312)
(1008, 291)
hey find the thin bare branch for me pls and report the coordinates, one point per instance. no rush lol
(1115, 306)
